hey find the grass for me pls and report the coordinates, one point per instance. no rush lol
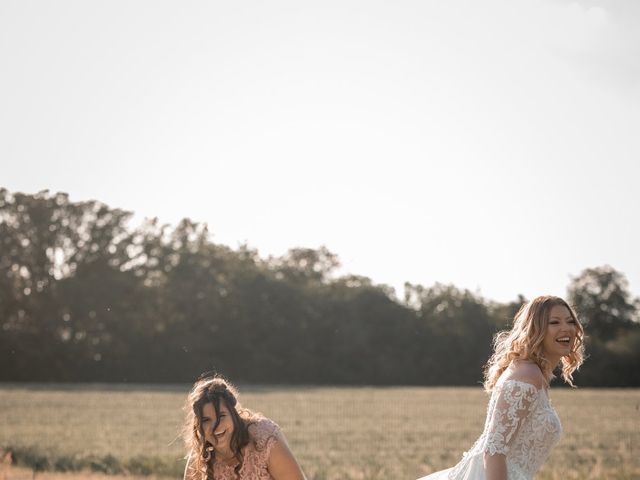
(21, 473)
(336, 433)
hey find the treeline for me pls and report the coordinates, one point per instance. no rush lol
(84, 296)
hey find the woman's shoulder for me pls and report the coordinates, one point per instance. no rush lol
(262, 430)
(524, 372)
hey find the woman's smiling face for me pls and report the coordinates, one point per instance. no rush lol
(560, 335)
(220, 439)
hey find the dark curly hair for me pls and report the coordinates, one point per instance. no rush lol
(216, 390)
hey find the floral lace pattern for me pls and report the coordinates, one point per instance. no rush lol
(521, 424)
(507, 412)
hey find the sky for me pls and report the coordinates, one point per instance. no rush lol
(491, 145)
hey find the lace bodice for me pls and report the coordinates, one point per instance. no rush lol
(264, 434)
(521, 424)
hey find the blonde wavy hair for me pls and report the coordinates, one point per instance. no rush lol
(216, 390)
(524, 342)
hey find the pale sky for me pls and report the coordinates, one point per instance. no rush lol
(493, 145)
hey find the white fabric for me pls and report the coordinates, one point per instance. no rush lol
(521, 424)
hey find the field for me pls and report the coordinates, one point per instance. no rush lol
(336, 433)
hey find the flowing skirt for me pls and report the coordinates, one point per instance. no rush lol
(441, 475)
(471, 467)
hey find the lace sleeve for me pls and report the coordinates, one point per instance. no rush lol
(513, 403)
(264, 433)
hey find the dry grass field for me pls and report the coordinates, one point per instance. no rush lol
(336, 433)
(20, 473)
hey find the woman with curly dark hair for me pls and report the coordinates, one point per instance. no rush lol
(226, 441)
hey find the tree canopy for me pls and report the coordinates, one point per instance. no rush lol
(86, 296)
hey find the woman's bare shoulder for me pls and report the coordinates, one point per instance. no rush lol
(526, 371)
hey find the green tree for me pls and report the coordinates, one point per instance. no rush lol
(460, 329)
(305, 265)
(46, 241)
(602, 299)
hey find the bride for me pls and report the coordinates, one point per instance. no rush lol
(521, 426)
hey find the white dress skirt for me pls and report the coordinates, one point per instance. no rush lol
(521, 424)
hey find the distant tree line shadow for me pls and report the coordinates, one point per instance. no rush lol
(85, 296)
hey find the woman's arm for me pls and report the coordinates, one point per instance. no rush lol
(282, 464)
(513, 403)
(495, 466)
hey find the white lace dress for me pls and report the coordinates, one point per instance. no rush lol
(521, 424)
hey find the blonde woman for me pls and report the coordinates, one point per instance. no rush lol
(521, 426)
(226, 441)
